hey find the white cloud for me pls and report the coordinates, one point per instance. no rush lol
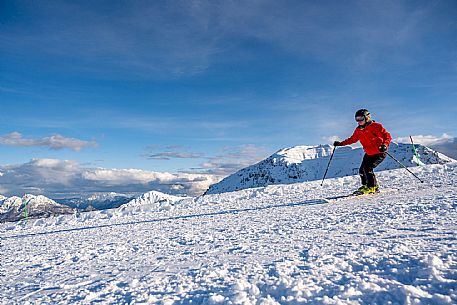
(55, 142)
(331, 139)
(60, 178)
(445, 143)
(63, 178)
(426, 140)
(123, 176)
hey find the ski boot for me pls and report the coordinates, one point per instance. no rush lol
(365, 190)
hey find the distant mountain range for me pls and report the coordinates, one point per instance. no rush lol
(16, 208)
(97, 201)
(307, 163)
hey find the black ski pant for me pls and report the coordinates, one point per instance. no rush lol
(368, 165)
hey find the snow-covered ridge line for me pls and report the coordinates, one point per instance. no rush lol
(308, 163)
(16, 208)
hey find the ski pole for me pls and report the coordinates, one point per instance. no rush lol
(415, 151)
(328, 165)
(404, 167)
(26, 212)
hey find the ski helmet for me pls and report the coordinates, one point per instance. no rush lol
(362, 112)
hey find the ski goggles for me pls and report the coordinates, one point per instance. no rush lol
(360, 118)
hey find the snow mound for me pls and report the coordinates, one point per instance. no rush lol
(308, 163)
(152, 201)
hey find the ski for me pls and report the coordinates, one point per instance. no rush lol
(354, 195)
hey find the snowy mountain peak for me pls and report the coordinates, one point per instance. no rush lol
(15, 208)
(152, 201)
(308, 163)
(39, 200)
(10, 202)
(154, 197)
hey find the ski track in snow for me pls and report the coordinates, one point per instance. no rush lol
(275, 245)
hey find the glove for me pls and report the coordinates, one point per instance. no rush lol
(382, 148)
(337, 143)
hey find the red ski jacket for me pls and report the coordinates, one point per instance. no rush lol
(371, 136)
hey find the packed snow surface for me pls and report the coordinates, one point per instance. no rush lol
(281, 244)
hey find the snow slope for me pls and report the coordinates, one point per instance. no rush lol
(308, 163)
(279, 244)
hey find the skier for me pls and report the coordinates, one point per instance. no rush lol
(375, 141)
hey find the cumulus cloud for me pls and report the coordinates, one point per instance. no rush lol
(55, 142)
(445, 143)
(65, 178)
(426, 140)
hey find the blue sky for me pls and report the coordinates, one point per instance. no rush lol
(212, 86)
